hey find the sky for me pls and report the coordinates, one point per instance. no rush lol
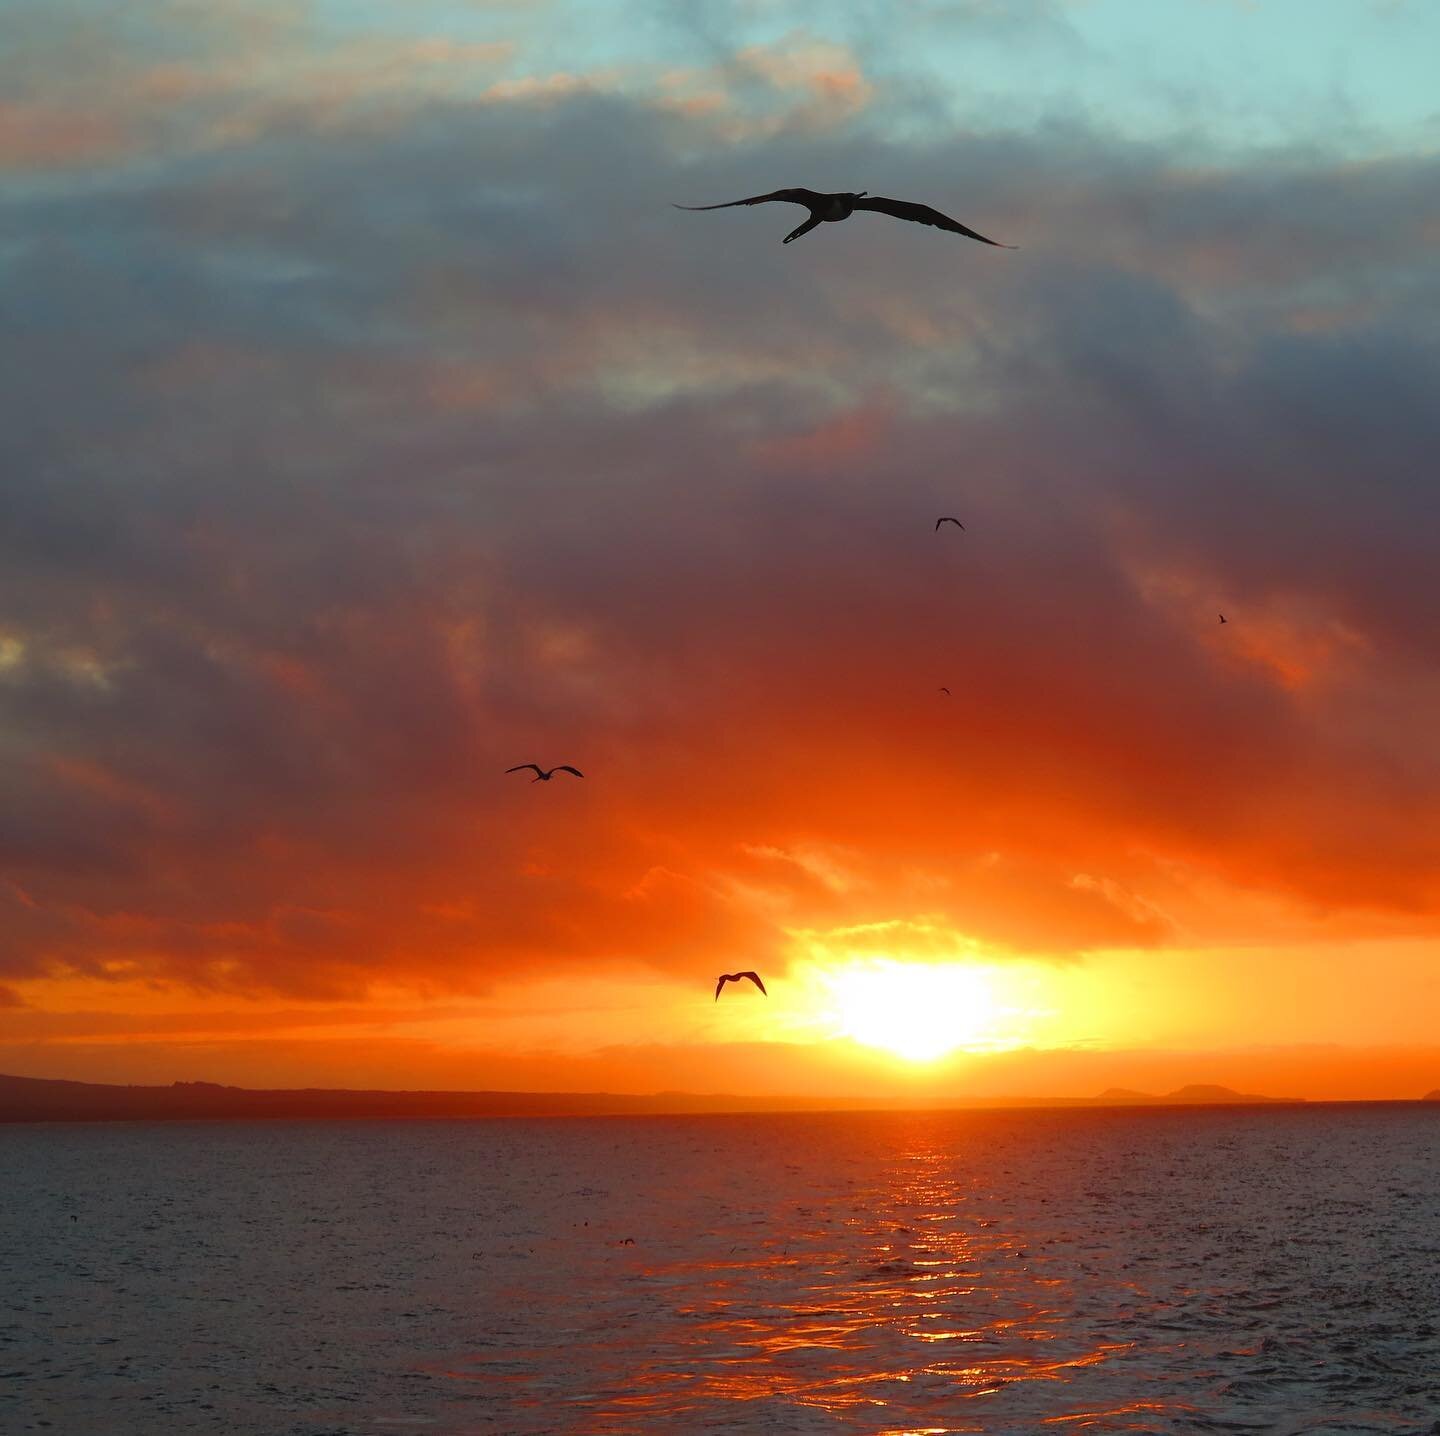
(374, 423)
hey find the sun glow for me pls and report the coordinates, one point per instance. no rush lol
(920, 1010)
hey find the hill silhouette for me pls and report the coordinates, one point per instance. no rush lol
(1195, 1094)
(43, 1099)
(37, 1099)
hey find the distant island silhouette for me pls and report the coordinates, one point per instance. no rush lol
(1200, 1094)
(43, 1099)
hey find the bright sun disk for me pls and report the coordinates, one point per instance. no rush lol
(918, 1011)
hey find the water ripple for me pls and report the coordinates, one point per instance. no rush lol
(1160, 1271)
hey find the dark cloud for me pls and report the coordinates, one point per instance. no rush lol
(351, 468)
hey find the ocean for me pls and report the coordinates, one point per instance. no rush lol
(1261, 1269)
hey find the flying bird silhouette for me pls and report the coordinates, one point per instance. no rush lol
(543, 775)
(831, 208)
(945, 691)
(948, 520)
(1223, 619)
(735, 977)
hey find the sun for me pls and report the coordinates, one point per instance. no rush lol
(919, 1010)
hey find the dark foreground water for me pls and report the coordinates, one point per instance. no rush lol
(1195, 1271)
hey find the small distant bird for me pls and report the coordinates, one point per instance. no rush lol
(945, 691)
(948, 520)
(543, 775)
(735, 977)
(1223, 619)
(831, 208)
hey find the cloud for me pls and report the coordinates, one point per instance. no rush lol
(357, 462)
(34, 137)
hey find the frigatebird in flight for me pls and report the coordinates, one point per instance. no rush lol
(831, 208)
(543, 775)
(735, 977)
(948, 520)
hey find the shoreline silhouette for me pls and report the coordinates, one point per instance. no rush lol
(46, 1099)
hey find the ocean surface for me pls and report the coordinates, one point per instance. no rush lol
(1212, 1270)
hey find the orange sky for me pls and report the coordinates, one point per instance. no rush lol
(850, 1014)
(379, 426)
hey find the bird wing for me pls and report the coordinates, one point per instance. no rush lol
(806, 197)
(947, 520)
(923, 214)
(566, 768)
(724, 978)
(519, 766)
(755, 978)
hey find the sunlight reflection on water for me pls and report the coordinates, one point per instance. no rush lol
(976, 1274)
(1154, 1271)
